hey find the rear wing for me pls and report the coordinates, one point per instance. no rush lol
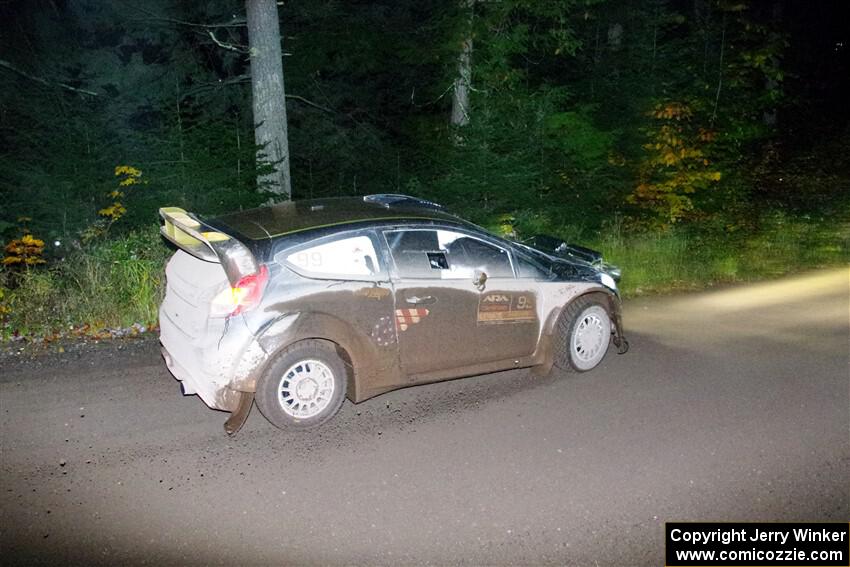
(203, 242)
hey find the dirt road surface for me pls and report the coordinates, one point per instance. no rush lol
(732, 405)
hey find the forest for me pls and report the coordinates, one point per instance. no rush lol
(693, 142)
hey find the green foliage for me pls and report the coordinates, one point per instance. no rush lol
(113, 284)
(675, 166)
(655, 117)
(574, 135)
(691, 258)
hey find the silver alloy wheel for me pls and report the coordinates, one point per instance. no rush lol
(591, 334)
(306, 388)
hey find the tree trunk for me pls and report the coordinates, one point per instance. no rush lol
(615, 43)
(769, 115)
(460, 93)
(267, 92)
(615, 36)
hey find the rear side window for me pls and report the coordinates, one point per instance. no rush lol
(354, 257)
(444, 254)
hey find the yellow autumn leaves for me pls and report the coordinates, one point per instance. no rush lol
(4, 309)
(113, 212)
(671, 111)
(132, 174)
(26, 250)
(675, 165)
(129, 176)
(29, 250)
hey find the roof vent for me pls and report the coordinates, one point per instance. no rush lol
(389, 199)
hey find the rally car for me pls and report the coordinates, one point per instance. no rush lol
(300, 305)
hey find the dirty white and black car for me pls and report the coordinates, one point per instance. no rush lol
(300, 305)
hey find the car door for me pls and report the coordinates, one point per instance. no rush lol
(445, 320)
(341, 287)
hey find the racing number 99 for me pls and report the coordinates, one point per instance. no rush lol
(309, 259)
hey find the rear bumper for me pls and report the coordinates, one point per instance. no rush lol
(215, 396)
(200, 368)
(217, 366)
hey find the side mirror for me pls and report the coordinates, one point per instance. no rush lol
(479, 280)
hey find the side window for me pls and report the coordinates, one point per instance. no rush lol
(344, 258)
(413, 251)
(443, 254)
(468, 254)
(527, 268)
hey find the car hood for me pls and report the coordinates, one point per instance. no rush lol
(563, 267)
(571, 262)
(573, 269)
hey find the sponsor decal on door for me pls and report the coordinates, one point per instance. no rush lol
(504, 307)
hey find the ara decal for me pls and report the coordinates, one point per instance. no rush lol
(500, 307)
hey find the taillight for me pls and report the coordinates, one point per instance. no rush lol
(243, 296)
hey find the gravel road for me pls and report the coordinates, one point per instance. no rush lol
(733, 405)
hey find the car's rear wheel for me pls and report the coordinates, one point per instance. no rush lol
(584, 333)
(304, 386)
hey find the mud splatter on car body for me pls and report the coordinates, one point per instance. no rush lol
(393, 291)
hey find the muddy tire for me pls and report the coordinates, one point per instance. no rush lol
(583, 333)
(304, 386)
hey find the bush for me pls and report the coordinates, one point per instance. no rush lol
(108, 285)
(687, 258)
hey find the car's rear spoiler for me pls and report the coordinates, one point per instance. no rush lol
(204, 242)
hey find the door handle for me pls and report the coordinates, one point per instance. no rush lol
(479, 280)
(426, 300)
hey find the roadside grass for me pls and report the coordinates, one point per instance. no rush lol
(118, 284)
(114, 284)
(687, 259)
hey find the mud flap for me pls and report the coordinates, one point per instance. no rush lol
(622, 344)
(619, 339)
(546, 348)
(240, 414)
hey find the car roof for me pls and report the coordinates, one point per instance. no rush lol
(297, 216)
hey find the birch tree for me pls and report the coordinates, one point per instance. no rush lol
(268, 97)
(463, 81)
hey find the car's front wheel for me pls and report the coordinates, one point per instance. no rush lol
(304, 386)
(584, 333)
